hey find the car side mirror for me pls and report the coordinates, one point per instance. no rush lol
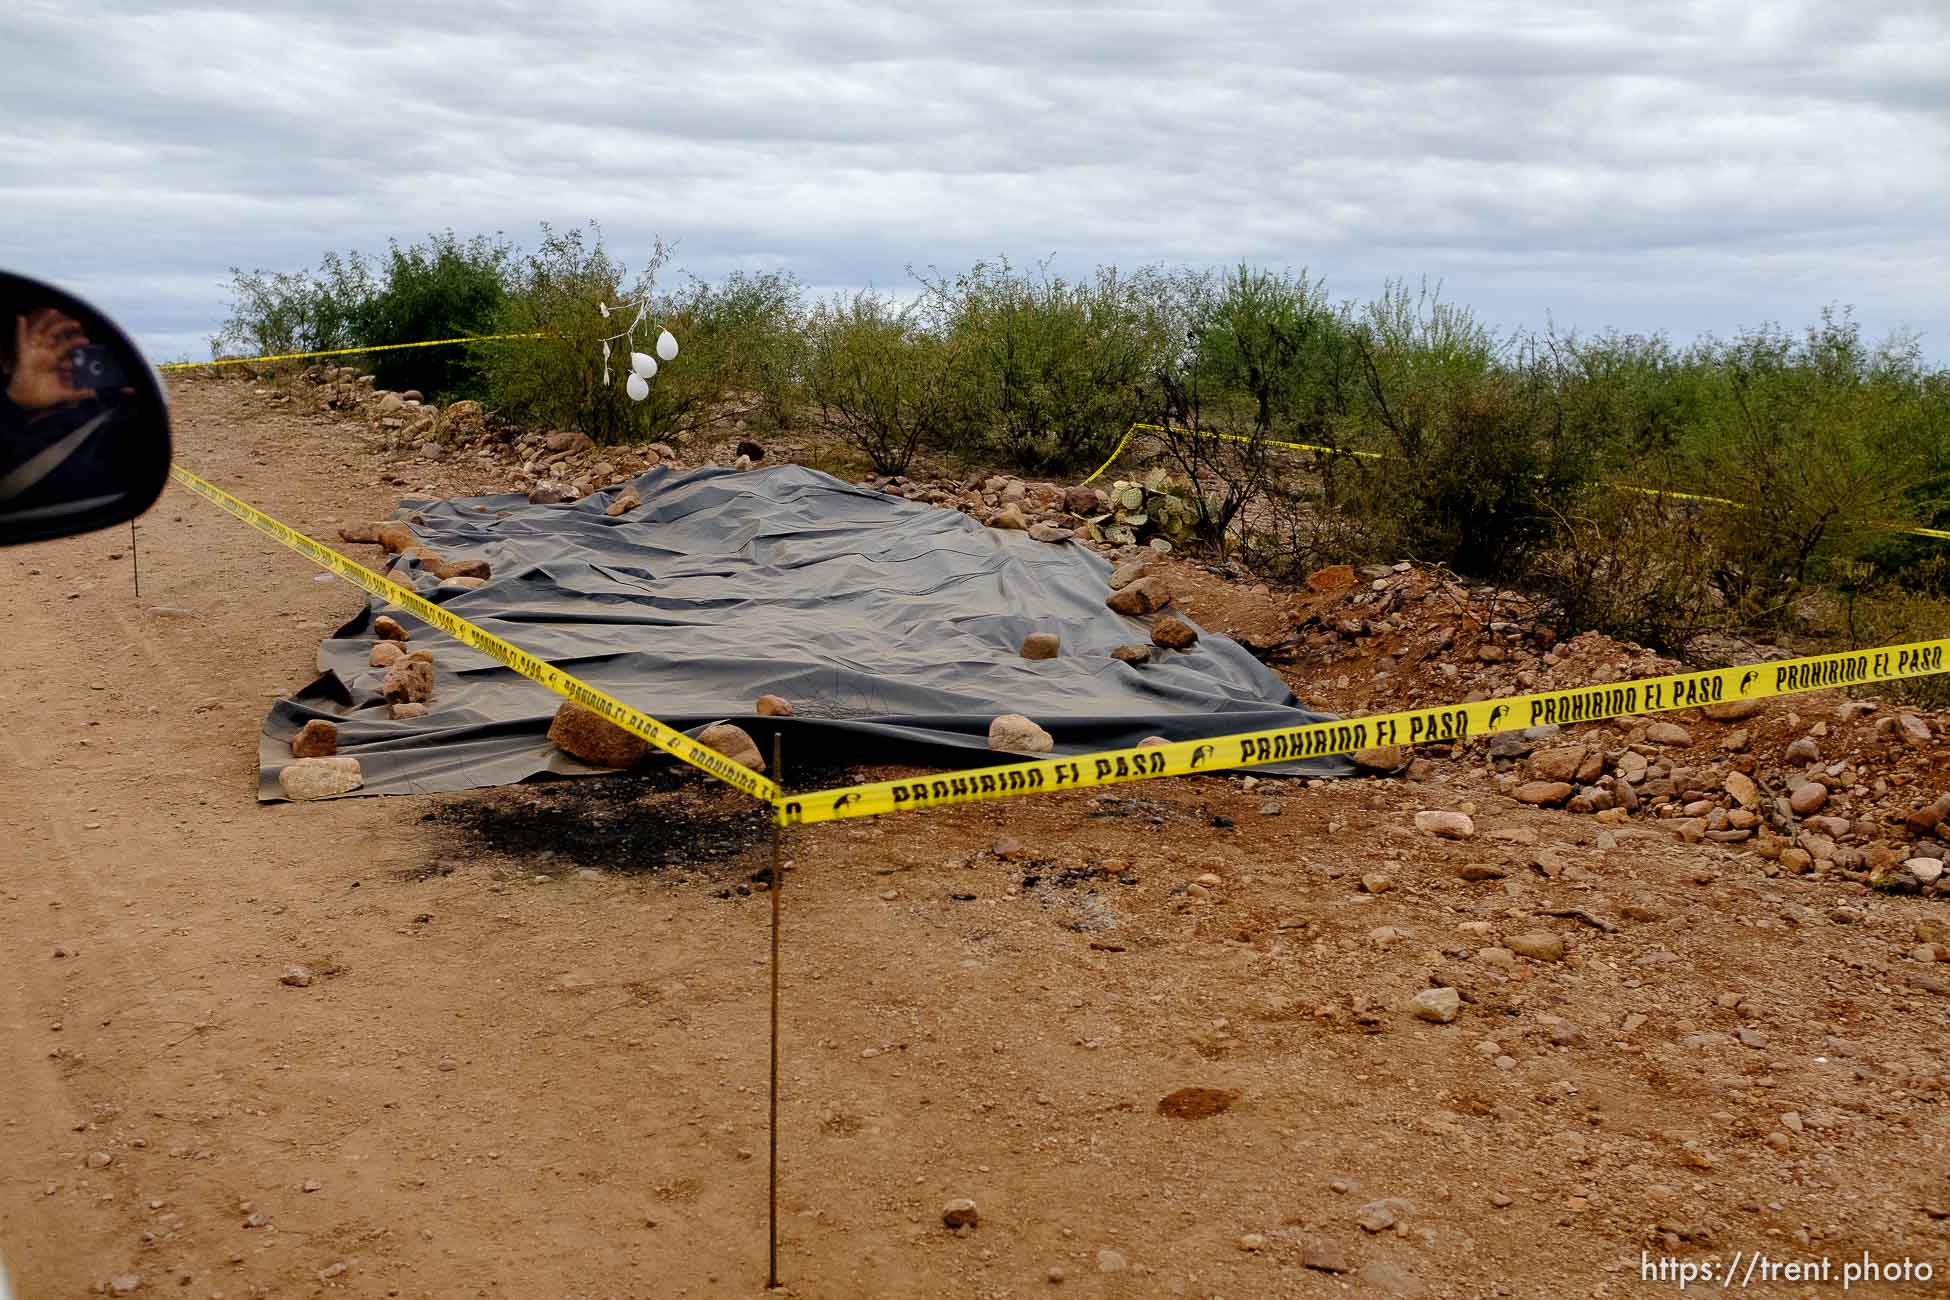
(84, 425)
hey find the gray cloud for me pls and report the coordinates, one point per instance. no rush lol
(1686, 167)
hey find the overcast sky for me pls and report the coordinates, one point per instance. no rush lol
(1647, 165)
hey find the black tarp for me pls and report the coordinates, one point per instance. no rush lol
(892, 627)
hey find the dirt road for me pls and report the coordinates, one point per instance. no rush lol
(499, 1085)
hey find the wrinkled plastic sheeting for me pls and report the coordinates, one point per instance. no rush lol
(893, 629)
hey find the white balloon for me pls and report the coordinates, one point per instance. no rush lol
(644, 364)
(636, 387)
(666, 346)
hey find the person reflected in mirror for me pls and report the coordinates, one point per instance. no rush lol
(59, 439)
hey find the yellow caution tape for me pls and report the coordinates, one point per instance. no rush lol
(1227, 437)
(343, 352)
(1115, 453)
(1442, 723)
(671, 741)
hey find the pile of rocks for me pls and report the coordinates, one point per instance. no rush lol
(318, 770)
(1429, 638)
(1045, 511)
(399, 420)
(404, 550)
(1857, 795)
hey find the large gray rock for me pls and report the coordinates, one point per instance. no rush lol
(319, 778)
(735, 743)
(1014, 734)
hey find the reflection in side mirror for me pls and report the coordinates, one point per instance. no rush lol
(84, 427)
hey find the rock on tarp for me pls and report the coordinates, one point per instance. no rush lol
(892, 628)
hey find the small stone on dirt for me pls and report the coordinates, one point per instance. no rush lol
(1445, 825)
(1539, 945)
(960, 1214)
(1379, 1216)
(1111, 1261)
(1381, 758)
(1325, 1257)
(1437, 1006)
(1668, 733)
(298, 977)
(1197, 1103)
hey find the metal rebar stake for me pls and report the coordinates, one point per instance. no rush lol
(778, 883)
(135, 562)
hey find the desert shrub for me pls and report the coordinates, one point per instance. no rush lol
(297, 311)
(443, 288)
(1634, 566)
(1827, 445)
(1289, 531)
(1264, 356)
(744, 342)
(1052, 372)
(1476, 448)
(561, 291)
(878, 380)
(1872, 606)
